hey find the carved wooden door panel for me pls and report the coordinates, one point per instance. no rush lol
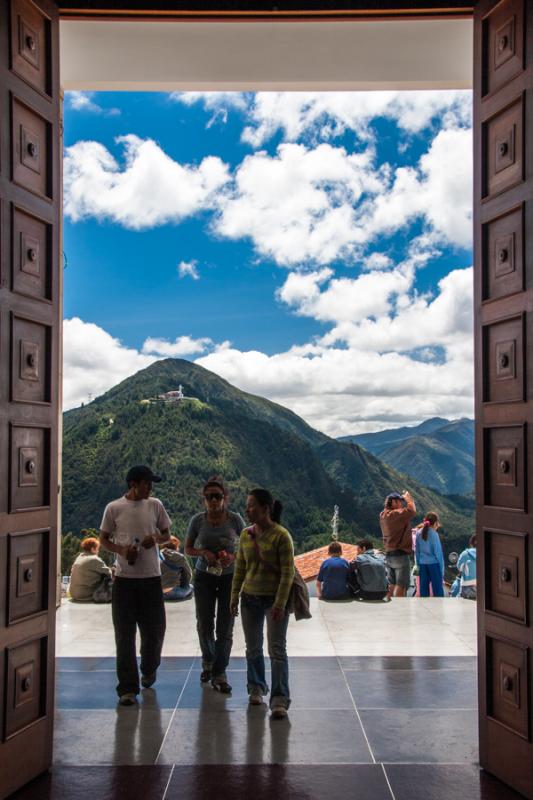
(503, 248)
(29, 386)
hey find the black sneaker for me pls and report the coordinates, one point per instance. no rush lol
(148, 680)
(205, 676)
(221, 685)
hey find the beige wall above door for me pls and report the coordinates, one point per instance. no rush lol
(247, 56)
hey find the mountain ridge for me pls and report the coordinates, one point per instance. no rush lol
(248, 439)
(439, 453)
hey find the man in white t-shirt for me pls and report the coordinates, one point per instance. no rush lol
(133, 527)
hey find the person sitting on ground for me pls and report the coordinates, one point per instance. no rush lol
(466, 564)
(368, 574)
(88, 572)
(429, 556)
(395, 523)
(176, 573)
(332, 580)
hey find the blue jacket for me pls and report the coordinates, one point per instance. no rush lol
(467, 564)
(429, 551)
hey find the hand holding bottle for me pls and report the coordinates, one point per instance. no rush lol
(132, 552)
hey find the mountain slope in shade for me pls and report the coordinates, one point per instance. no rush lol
(249, 440)
(381, 440)
(439, 453)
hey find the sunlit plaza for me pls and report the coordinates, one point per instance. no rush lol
(380, 692)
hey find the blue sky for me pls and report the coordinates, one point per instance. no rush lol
(311, 248)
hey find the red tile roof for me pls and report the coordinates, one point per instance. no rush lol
(309, 563)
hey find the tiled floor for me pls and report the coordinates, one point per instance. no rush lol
(383, 707)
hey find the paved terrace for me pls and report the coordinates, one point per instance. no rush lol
(384, 708)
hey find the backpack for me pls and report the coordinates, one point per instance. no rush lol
(104, 590)
(371, 573)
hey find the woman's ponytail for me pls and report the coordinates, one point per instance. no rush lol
(430, 519)
(277, 508)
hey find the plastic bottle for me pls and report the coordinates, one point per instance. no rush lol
(133, 552)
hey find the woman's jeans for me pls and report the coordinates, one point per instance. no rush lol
(212, 595)
(254, 610)
(431, 574)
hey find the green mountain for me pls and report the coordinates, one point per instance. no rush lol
(247, 439)
(438, 453)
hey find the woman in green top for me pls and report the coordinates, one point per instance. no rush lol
(264, 572)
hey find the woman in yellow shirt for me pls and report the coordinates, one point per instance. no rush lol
(264, 572)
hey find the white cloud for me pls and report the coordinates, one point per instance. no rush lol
(83, 101)
(151, 189)
(182, 346)
(315, 205)
(189, 269)
(328, 114)
(94, 361)
(213, 100)
(440, 190)
(393, 356)
(299, 204)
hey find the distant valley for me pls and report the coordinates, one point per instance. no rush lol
(439, 453)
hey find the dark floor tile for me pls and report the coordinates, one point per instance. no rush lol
(126, 736)
(408, 662)
(421, 737)
(100, 783)
(90, 663)
(268, 781)
(313, 688)
(202, 695)
(249, 736)
(96, 689)
(413, 688)
(84, 664)
(296, 663)
(438, 782)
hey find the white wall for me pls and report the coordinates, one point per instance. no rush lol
(350, 55)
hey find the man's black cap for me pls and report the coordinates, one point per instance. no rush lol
(142, 473)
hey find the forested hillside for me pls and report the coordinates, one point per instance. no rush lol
(249, 440)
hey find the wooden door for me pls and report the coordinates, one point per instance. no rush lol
(503, 252)
(29, 337)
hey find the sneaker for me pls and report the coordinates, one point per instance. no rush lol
(255, 698)
(128, 699)
(221, 685)
(148, 680)
(205, 676)
(279, 712)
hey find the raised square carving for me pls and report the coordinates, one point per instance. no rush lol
(508, 685)
(503, 361)
(504, 158)
(503, 259)
(504, 255)
(506, 466)
(25, 685)
(28, 574)
(30, 468)
(30, 150)
(30, 44)
(506, 567)
(503, 34)
(31, 256)
(504, 43)
(505, 470)
(31, 361)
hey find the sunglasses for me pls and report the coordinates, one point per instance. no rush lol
(214, 496)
